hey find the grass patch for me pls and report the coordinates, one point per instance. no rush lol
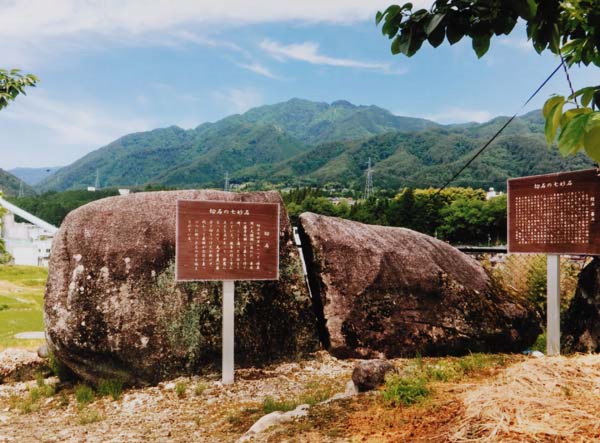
(199, 389)
(112, 388)
(316, 393)
(404, 391)
(24, 275)
(540, 343)
(413, 384)
(84, 394)
(59, 369)
(271, 405)
(180, 389)
(313, 394)
(22, 301)
(31, 401)
(88, 416)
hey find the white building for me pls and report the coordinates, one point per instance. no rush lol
(28, 243)
(492, 193)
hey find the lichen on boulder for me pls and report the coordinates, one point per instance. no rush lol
(114, 310)
(392, 292)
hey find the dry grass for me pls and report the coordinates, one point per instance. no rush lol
(548, 399)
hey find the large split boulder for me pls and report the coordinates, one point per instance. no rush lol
(394, 292)
(114, 310)
(581, 322)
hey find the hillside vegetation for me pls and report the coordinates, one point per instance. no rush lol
(300, 142)
(10, 185)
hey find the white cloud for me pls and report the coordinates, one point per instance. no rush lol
(521, 44)
(259, 69)
(238, 100)
(309, 52)
(202, 40)
(73, 123)
(459, 115)
(43, 18)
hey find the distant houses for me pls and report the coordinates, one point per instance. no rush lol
(29, 242)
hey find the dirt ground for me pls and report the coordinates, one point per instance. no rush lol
(200, 409)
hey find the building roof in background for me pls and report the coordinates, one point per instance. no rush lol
(27, 216)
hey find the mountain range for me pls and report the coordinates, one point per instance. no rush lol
(300, 142)
(12, 186)
(32, 176)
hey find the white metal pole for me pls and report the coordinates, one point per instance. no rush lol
(553, 306)
(228, 332)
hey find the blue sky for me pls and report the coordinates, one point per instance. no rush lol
(114, 67)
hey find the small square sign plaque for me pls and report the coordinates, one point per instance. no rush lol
(218, 240)
(555, 213)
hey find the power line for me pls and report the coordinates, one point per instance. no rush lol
(508, 122)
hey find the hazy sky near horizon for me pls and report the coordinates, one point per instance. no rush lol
(120, 66)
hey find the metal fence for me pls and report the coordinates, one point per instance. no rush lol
(525, 275)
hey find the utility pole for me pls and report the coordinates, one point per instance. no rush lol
(226, 181)
(97, 183)
(369, 183)
(21, 191)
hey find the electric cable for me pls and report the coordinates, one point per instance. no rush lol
(508, 122)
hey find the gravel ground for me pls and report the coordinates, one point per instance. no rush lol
(160, 414)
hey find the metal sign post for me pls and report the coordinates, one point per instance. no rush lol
(554, 214)
(553, 305)
(227, 241)
(228, 332)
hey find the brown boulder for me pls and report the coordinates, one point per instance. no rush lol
(581, 322)
(370, 374)
(113, 309)
(394, 292)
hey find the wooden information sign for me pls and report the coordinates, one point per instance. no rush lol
(227, 241)
(555, 213)
(219, 240)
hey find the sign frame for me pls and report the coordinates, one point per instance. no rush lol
(228, 284)
(276, 247)
(585, 176)
(554, 250)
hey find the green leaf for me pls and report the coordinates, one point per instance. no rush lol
(525, 8)
(553, 120)
(481, 44)
(587, 96)
(455, 32)
(570, 139)
(551, 103)
(378, 17)
(403, 44)
(591, 139)
(571, 113)
(436, 38)
(555, 39)
(433, 22)
(415, 45)
(396, 45)
(391, 12)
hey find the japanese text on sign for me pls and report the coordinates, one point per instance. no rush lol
(227, 240)
(555, 213)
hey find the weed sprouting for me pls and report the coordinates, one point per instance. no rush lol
(112, 388)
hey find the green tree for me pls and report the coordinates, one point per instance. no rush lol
(474, 221)
(13, 83)
(569, 29)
